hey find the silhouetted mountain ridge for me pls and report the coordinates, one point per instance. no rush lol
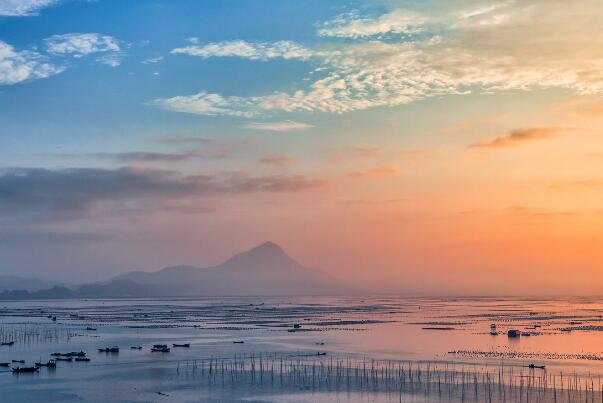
(263, 270)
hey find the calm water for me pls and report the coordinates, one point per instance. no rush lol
(565, 335)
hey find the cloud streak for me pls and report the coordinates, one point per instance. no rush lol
(283, 126)
(516, 137)
(247, 50)
(72, 193)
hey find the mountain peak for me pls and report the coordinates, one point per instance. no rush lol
(268, 255)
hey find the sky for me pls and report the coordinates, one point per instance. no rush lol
(418, 147)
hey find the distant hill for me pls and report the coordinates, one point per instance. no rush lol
(263, 270)
(22, 283)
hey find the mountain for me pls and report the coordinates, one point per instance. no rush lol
(22, 283)
(263, 270)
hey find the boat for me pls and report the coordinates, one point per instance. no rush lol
(493, 326)
(319, 353)
(160, 349)
(109, 350)
(493, 333)
(513, 333)
(19, 370)
(238, 342)
(532, 366)
(526, 334)
(49, 364)
(4, 364)
(160, 346)
(181, 345)
(19, 361)
(64, 359)
(136, 347)
(82, 359)
(91, 328)
(7, 343)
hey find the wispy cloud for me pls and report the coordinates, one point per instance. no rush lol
(516, 137)
(248, 50)
(278, 160)
(78, 45)
(21, 8)
(353, 25)
(283, 126)
(70, 193)
(153, 60)
(147, 156)
(375, 172)
(17, 66)
(498, 47)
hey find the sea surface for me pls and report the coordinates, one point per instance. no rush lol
(307, 349)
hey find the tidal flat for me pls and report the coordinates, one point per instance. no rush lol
(304, 349)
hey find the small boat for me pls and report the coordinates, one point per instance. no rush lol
(239, 342)
(532, 366)
(319, 353)
(7, 343)
(160, 349)
(513, 333)
(297, 326)
(82, 359)
(526, 334)
(320, 343)
(181, 345)
(54, 318)
(4, 364)
(19, 370)
(91, 328)
(19, 361)
(493, 326)
(109, 350)
(493, 333)
(160, 346)
(49, 364)
(70, 359)
(136, 347)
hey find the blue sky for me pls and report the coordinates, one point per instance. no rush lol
(362, 136)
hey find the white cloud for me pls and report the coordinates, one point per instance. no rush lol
(111, 59)
(244, 49)
(283, 126)
(80, 45)
(18, 66)
(352, 25)
(204, 103)
(507, 46)
(153, 60)
(21, 8)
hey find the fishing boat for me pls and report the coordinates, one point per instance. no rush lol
(4, 364)
(181, 345)
(532, 366)
(513, 333)
(238, 342)
(49, 364)
(82, 359)
(91, 328)
(109, 350)
(319, 353)
(7, 343)
(136, 347)
(19, 370)
(160, 349)
(19, 361)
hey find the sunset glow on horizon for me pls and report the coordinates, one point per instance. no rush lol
(431, 148)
